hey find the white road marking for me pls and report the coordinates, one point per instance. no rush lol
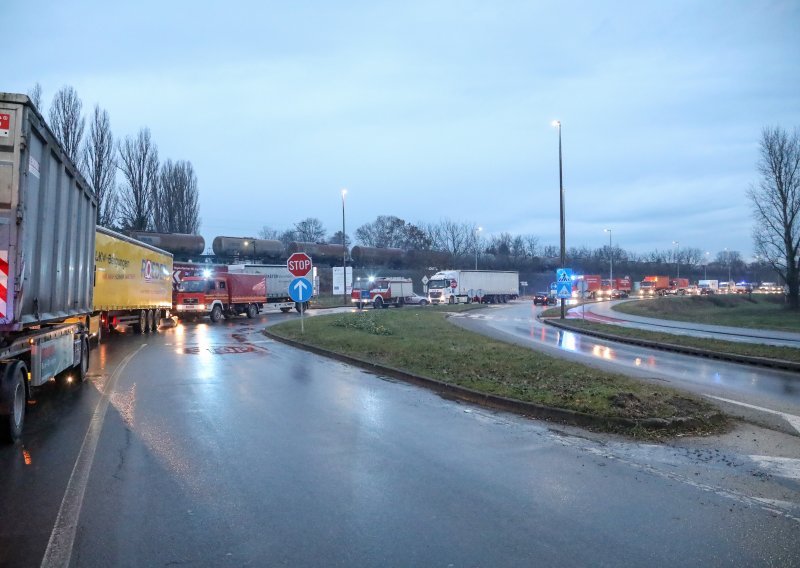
(62, 539)
(793, 420)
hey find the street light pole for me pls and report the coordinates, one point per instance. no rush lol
(344, 249)
(705, 267)
(677, 260)
(557, 123)
(611, 261)
(477, 231)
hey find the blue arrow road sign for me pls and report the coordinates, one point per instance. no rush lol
(300, 290)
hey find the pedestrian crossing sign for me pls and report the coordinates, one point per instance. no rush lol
(564, 283)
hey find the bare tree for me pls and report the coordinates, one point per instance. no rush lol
(35, 95)
(176, 209)
(100, 168)
(776, 207)
(138, 161)
(268, 233)
(531, 245)
(310, 230)
(336, 239)
(66, 121)
(455, 238)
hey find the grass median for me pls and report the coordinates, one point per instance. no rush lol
(422, 342)
(759, 311)
(714, 345)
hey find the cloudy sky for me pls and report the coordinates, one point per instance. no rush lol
(430, 110)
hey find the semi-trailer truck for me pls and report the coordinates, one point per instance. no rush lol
(278, 279)
(132, 284)
(467, 286)
(47, 244)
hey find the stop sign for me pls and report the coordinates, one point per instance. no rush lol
(299, 264)
(453, 284)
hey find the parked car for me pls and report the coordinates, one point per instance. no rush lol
(416, 299)
(618, 294)
(706, 291)
(543, 299)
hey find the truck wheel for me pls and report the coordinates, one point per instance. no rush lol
(141, 326)
(251, 311)
(452, 300)
(14, 379)
(378, 303)
(400, 303)
(82, 367)
(148, 326)
(216, 314)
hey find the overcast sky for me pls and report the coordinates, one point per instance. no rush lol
(430, 110)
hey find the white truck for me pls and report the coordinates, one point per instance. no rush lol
(467, 286)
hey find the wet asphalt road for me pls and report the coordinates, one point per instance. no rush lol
(770, 397)
(211, 445)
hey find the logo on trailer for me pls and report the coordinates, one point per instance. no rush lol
(5, 124)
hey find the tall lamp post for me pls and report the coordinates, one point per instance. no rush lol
(705, 267)
(610, 261)
(477, 232)
(557, 124)
(677, 260)
(344, 249)
(728, 260)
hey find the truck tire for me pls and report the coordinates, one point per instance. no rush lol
(13, 385)
(82, 367)
(216, 314)
(452, 300)
(252, 311)
(141, 326)
(400, 303)
(148, 326)
(378, 303)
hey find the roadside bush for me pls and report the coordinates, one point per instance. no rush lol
(367, 321)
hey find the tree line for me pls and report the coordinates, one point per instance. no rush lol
(153, 195)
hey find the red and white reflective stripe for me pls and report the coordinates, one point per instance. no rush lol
(3, 282)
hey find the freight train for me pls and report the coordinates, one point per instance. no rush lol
(233, 249)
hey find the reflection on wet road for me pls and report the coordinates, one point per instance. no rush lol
(222, 447)
(775, 389)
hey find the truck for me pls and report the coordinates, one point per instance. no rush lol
(278, 280)
(223, 294)
(654, 285)
(383, 292)
(708, 286)
(48, 214)
(467, 286)
(132, 284)
(678, 286)
(615, 287)
(586, 285)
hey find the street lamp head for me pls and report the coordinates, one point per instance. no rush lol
(606, 230)
(344, 192)
(556, 123)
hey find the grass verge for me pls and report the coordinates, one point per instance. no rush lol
(762, 311)
(715, 345)
(422, 342)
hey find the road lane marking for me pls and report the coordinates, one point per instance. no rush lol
(793, 420)
(62, 539)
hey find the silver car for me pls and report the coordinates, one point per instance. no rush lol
(416, 299)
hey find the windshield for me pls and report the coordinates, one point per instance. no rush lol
(192, 286)
(438, 284)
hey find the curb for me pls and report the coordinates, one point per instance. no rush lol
(528, 409)
(745, 359)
